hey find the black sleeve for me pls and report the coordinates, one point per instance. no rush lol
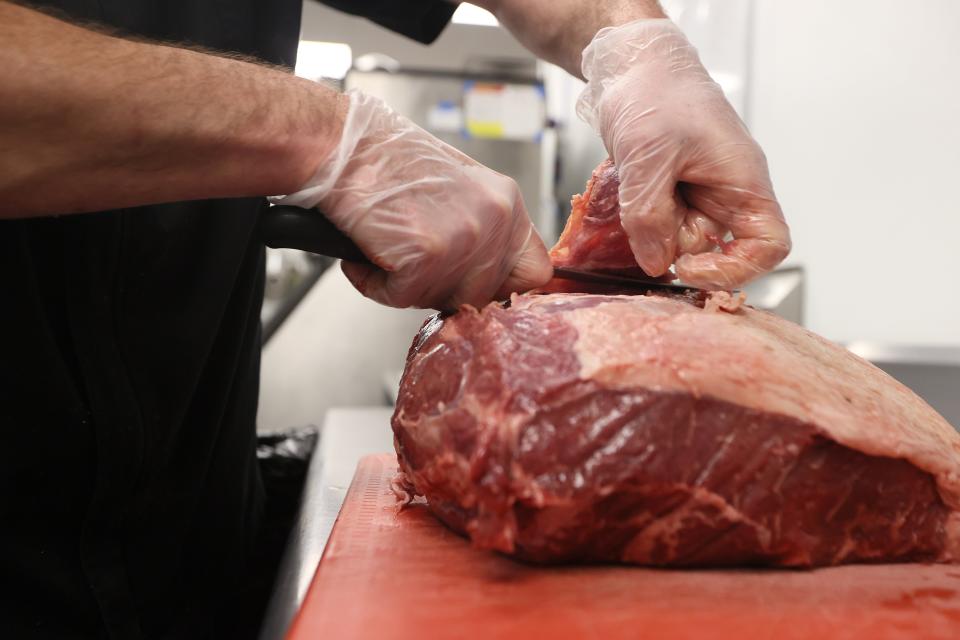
(422, 20)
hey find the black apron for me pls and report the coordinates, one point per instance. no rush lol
(129, 365)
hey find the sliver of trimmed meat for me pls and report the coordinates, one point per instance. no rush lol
(593, 237)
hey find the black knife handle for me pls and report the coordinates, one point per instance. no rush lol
(284, 226)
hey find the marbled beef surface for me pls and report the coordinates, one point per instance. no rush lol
(650, 430)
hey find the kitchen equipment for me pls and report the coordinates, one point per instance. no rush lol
(398, 575)
(781, 291)
(309, 230)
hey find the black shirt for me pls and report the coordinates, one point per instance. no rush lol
(129, 491)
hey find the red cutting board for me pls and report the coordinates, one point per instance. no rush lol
(392, 576)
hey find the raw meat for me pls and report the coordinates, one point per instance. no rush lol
(706, 252)
(593, 237)
(645, 429)
(667, 430)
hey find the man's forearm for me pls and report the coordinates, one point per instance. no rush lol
(558, 30)
(90, 122)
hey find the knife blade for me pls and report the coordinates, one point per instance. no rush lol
(630, 281)
(285, 226)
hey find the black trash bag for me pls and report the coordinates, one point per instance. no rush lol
(284, 460)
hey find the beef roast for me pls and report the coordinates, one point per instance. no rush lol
(646, 429)
(668, 430)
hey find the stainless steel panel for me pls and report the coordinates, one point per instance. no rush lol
(781, 292)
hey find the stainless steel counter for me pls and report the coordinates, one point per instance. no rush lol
(347, 435)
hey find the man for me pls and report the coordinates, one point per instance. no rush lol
(129, 494)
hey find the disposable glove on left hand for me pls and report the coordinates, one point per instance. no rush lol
(442, 229)
(689, 170)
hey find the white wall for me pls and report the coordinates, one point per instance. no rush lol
(857, 105)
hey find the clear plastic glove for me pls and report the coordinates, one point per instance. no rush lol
(689, 170)
(442, 229)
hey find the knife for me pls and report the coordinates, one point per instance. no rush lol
(285, 226)
(629, 281)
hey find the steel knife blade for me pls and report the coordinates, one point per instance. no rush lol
(629, 281)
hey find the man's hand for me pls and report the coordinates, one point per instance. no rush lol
(442, 229)
(689, 170)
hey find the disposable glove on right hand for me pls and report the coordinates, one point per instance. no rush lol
(689, 170)
(442, 229)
